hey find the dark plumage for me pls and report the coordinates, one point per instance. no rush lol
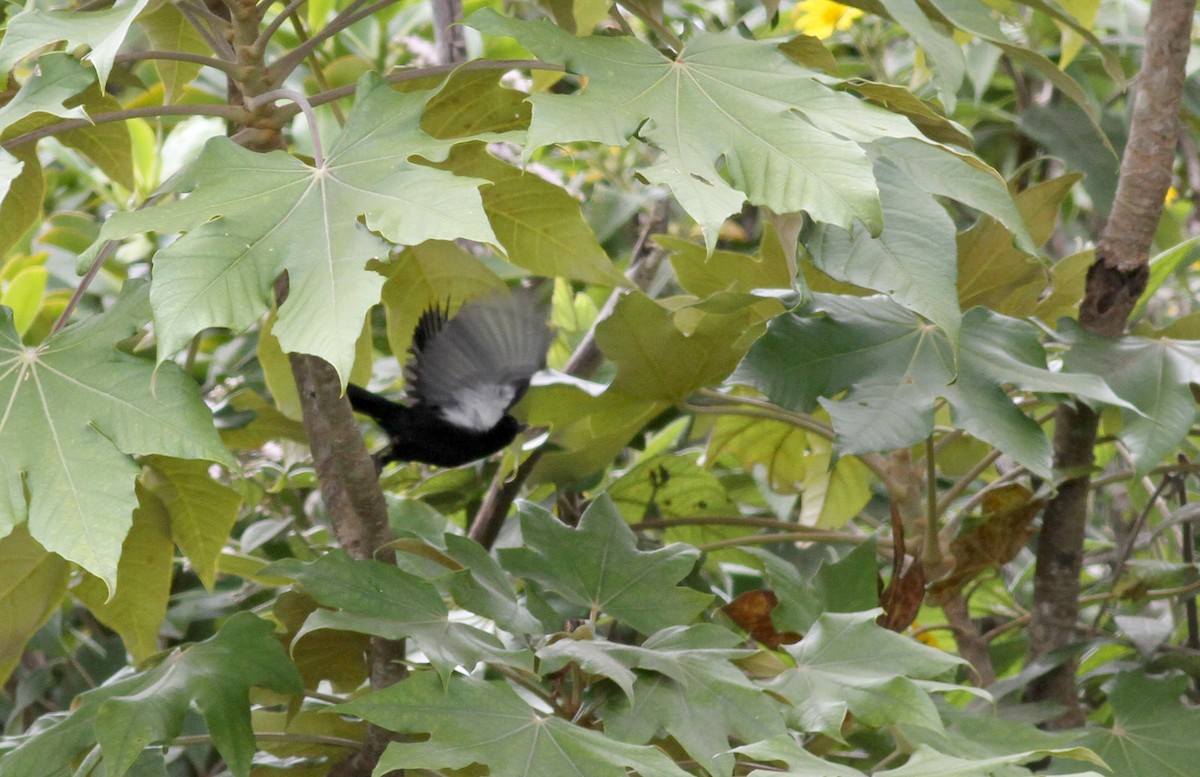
(465, 374)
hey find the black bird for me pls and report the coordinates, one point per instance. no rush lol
(465, 374)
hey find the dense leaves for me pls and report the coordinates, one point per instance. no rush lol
(808, 288)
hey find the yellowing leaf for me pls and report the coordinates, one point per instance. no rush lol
(137, 610)
(32, 583)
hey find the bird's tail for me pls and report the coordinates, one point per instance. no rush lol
(384, 411)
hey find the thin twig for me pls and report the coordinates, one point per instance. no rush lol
(1127, 546)
(255, 102)
(967, 479)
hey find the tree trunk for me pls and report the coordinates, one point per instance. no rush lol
(1114, 283)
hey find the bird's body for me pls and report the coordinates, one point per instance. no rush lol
(465, 374)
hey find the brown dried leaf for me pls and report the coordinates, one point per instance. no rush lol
(992, 539)
(752, 611)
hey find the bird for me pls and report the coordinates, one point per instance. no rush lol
(463, 376)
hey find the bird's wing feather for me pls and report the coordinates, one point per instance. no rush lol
(478, 364)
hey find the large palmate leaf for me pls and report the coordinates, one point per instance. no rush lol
(252, 216)
(892, 366)
(1153, 732)
(1152, 375)
(694, 694)
(913, 260)
(101, 31)
(473, 721)
(926, 762)
(787, 141)
(848, 664)
(376, 598)
(213, 677)
(598, 566)
(75, 411)
(58, 78)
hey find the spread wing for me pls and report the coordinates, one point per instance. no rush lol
(477, 365)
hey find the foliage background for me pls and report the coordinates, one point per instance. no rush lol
(831, 473)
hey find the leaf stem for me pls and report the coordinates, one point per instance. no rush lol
(793, 536)
(647, 18)
(282, 67)
(212, 34)
(230, 69)
(101, 257)
(223, 111)
(276, 23)
(738, 520)
(255, 102)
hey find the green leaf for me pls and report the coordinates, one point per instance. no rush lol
(202, 510)
(800, 762)
(109, 145)
(376, 598)
(598, 566)
(848, 664)
(101, 31)
(927, 762)
(244, 227)
(913, 260)
(484, 588)
(126, 716)
(949, 67)
(1152, 375)
(705, 274)
(970, 16)
(10, 169)
(1153, 732)
(996, 274)
(781, 448)
(589, 428)
(538, 224)
(834, 491)
(665, 356)
(169, 30)
(735, 89)
(964, 177)
(32, 584)
(697, 696)
(432, 273)
(474, 721)
(55, 79)
(137, 610)
(77, 410)
(892, 367)
(24, 295)
(23, 186)
(669, 486)
(1163, 267)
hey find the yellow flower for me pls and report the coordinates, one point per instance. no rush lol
(820, 18)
